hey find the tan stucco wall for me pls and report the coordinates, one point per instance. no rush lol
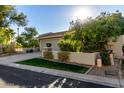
(117, 46)
(53, 41)
(83, 58)
(79, 57)
(23, 50)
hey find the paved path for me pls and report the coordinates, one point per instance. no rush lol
(18, 57)
(101, 71)
(25, 78)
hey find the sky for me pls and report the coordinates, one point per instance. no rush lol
(56, 18)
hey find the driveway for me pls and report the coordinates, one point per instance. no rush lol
(18, 57)
(25, 78)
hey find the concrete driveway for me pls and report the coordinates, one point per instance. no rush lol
(18, 57)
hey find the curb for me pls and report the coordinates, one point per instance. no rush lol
(89, 70)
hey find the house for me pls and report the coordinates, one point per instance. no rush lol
(51, 40)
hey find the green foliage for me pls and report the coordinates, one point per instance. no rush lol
(30, 32)
(48, 54)
(28, 38)
(63, 56)
(69, 44)
(98, 32)
(105, 58)
(5, 14)
(34, 43)
(19, 19)
(20, 40)
(93, 34)
(9, 16)
(6, 35)
(18, 45)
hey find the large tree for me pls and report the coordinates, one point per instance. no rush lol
(9, 16)
(94, 34)
(28, 38)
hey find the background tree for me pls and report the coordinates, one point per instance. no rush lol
(28, 38)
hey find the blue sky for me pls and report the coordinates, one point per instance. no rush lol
(55, 18)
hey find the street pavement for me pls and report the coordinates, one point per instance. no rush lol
(30, 79)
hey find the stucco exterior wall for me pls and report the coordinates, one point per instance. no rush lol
(117, 46)
(79, 57)
(83, 58)
(23, 50)
(53, 41)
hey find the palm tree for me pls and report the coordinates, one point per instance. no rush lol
(19, 20)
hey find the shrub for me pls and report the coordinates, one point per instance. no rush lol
(105, 58)
(9, 49)
(70, 45)
(12, 48)
(4, 49)
(48, 54)
(63, 56)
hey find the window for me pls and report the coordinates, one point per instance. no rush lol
(48, 44)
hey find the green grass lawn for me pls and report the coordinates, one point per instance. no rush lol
(53, 65)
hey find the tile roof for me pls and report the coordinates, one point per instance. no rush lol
(50, 34)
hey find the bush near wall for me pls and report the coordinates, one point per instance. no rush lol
(9, 49)
(48, 54)
(105, 58)
(63, 56)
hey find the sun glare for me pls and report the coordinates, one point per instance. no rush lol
(82, 13)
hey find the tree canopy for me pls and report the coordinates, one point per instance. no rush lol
(9, 16)
(28, 38)
(93, 34)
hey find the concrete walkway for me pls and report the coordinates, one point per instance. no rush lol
(9, 61)
(112, 68)
(18, 57)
